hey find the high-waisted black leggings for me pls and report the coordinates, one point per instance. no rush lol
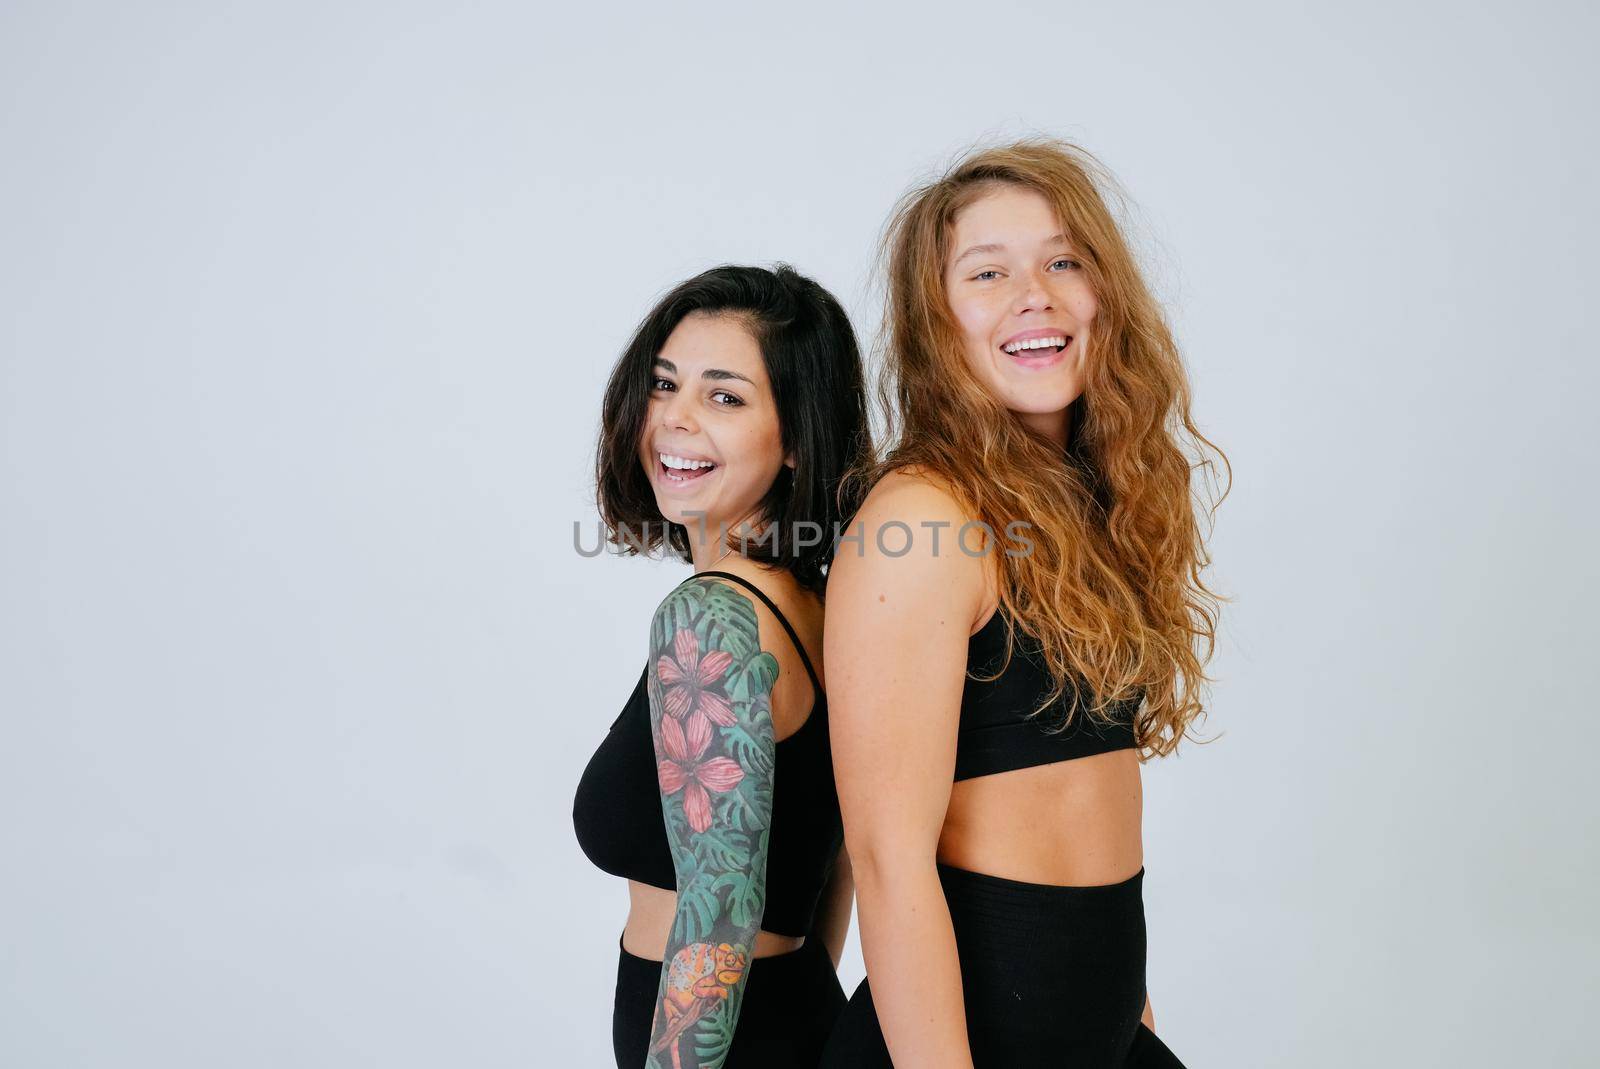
(1052, 976)
(790, 1003)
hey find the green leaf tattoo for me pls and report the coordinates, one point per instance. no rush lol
(710, 687)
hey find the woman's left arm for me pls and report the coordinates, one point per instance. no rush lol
(710, 689)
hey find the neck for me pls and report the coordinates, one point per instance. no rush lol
(1053, 425)
(708, 547)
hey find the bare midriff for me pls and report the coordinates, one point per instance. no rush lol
(650, 914)
(1071, 823)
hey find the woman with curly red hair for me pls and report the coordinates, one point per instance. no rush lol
(1014, 628)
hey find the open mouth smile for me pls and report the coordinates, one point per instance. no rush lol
(679, 471)
(1040, 350)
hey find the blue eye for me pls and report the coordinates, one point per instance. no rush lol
(979, 276)
(1065, 260)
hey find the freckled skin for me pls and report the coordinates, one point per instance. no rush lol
(1029, 282)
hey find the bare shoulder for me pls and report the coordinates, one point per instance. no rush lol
(906, 556)
(919, 493)
(801, 607)
(793, 696)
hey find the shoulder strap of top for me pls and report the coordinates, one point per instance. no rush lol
(799, 647)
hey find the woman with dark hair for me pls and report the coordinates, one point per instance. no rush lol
(727, 425)
(993, 694)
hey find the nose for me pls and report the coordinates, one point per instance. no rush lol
(677, 412)
(1031, 294)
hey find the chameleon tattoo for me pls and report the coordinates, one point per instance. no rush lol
(697, 977)
(710, 687)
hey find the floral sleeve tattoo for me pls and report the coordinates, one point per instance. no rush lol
(710, 687)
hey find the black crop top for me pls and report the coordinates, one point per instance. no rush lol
(617, 811)
(995, 736)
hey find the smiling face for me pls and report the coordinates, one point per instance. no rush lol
(712, 442)
(1023, 304)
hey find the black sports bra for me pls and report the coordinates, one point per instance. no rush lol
(995, 734)
(617, 811)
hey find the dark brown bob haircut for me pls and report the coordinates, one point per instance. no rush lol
(814, 366)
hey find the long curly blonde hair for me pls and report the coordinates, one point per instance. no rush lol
(1111, 593)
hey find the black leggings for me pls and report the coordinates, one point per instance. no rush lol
(1051, 976)
(790, 1003)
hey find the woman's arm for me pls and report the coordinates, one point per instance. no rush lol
(833, 912)
(895, 643)
(710, 688)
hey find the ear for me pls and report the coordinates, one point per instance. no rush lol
(789, 461)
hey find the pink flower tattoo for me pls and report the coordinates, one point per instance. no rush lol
(686, 768)
(687, 680)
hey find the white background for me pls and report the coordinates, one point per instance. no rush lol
(307, 310)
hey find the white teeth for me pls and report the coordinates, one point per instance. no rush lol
(1036, 343)
(684, 463)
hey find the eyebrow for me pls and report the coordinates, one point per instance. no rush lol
(709, 373)
(1053, 239)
